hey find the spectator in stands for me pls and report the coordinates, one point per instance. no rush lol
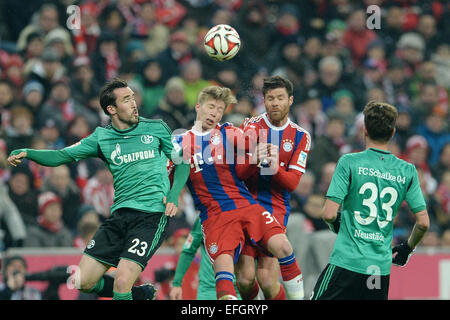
(106, 59)
(20, 133)
(403, 128)
(6, 103)
(330, 71)
(252, 22)
(357, 37)
(14, 285)
(47, 21)
(435, 131)
(62, 107)
(177, 54)
(11, 223)
(428, 30)
(48, 70)
(99, 190)
(60, 41)
(50, 132)
(150, 79)
(410, 48)
(4, 170)
(325, 177)
(85, 38)
(344, 108)
(396, 83)
(444, 162)
(192, 74)
(328, 147)
(87, 225)
(50, 230)
(33, 96)
(34, 46)
(112, 20)
(60, 183)
(173, 108)
(441, 58)
(442, 197)
(309, 114)
(23, 194)
(304, 189)
(445, 239)
(392, 28)
(416, 152)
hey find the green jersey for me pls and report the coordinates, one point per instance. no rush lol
(135, 157)
(370, 186)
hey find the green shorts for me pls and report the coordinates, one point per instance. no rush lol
(128, 234)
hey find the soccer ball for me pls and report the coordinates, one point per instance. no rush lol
(222, 42)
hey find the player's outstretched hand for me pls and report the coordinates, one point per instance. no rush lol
(16, 157)
(171, 208)
(401, 254)
(175, 293)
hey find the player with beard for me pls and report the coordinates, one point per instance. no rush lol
(271, 176)
(134, 150)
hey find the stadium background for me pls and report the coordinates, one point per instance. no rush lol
(50, 75)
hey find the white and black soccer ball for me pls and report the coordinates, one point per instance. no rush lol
(222, 42)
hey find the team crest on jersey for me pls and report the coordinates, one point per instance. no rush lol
(213, 248)
(288, 145)
(215, 139)
(91, 244)
(146, 138)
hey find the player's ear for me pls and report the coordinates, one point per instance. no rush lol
(365, 131)
(197, 107)
(111, 109)
(291, 100)
(393, 133)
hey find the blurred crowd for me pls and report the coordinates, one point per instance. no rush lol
(51, 72)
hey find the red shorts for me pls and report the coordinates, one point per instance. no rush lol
(225, 232)
(255, 249)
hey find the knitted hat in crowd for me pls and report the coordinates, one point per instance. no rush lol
(31, 86)
(45, 199)
(416, 141)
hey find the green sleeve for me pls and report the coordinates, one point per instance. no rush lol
(85, 148)
(180, 177)
(190, 248)
(414, 196)
(48, 158)
(338, 189)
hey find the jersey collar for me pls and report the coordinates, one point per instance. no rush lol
(380, 151)
(126, 130)
(271, 126)
(204, 133)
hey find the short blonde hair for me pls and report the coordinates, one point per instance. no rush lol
(217, 93)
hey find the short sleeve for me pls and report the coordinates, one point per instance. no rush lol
(338, 189)
(414, 196)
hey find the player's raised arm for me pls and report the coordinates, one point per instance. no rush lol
(86, 148)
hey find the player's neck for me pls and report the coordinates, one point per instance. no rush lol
(278, 123)
(120, 125)
(198, 127)
(376, 145)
